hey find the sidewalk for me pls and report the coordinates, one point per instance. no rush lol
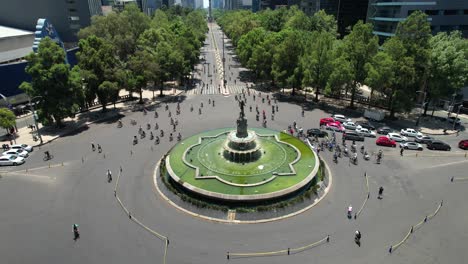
(82, 120)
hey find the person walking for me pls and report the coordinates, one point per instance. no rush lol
(401, 151)
(109, 175)
(381, 189)
(93, 147)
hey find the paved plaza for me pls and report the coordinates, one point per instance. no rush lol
(40, 201)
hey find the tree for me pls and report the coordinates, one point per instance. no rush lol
(380, 74)
(448, 70)
(415, 33)
(50, 80)
(317, 60)
(98, 63)
(340, 78)
(321, 21)
(7, 118)
(108, 92)
(358, 49)
(286, 60)
(248, 43)
(404, 77)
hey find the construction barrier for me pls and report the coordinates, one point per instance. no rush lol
(287, 251)
(134, 219)
(367, 197)
(414, 228)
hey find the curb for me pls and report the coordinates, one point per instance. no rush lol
(217, 220)
(440, 134)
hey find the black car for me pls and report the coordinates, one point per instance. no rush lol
(384, 130)
(365, 124)
(316, 132)
(352, 135)
(438, 145)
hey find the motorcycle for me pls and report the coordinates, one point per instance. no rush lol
(366, 155)
(135, 141)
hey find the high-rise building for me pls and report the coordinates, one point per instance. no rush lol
(68, 17)
(444, 15)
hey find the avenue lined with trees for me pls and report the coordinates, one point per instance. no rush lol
(291, 50)
(123, 50)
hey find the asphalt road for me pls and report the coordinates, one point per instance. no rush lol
(40, 206)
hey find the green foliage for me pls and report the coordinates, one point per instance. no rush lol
(448, 70)
(59, 92)
(7, 118)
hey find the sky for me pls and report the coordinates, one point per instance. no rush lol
(205, 3)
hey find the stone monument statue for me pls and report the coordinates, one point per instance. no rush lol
(241, 122)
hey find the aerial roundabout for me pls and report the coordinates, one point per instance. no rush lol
(242, 167)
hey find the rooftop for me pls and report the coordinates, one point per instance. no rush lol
(7, 32)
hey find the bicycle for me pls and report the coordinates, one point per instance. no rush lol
(48, 157)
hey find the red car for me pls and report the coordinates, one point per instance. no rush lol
(385, 141)
(326, 120)
(463, 144)
(335, 126)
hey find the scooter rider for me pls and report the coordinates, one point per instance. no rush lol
(76, 233)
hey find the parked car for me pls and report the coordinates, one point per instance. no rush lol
(409, 132)
(335, 126)
(452, 119)
(384, 130)
(326, 120)
(16, 152)
(424, 139)
(316, 132)
(365, 124)
(397, 137)
(385, 141)
(352, 135)
(463, 144)
(411, 145)
(365, 132)
(23, 146)
(349, 125)
(341, 118)
(11, 160)
(438, 145)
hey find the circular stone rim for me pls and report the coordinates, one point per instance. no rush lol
(250, 197)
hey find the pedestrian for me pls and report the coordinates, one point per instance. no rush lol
(99, 148)
(380, 192)
(401, 151)
(276, 108)
(92, 146)
(109, 175)
(302, 112)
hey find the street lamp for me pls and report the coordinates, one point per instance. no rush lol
(422, 106)
(34, 117)
(455, 120)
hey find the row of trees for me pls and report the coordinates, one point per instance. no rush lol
(126, 50)
(293, 50)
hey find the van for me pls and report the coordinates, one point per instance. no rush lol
(352, 135)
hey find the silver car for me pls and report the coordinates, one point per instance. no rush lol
(411, 145)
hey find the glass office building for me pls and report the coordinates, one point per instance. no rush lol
(444, 15)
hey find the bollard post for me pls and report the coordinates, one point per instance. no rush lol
(390, 250)
(451, 179)
(425, 219)
(441, 203)
(167, 240)
(365, 174)
(289, 251)
(115, 193)
(411, 230)
(328, 238)
(355, 215)
(129, 215)
(227, 255)
(120, 168)
(368, 195)
(82, 159)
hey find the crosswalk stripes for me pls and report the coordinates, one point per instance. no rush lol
(212, 89)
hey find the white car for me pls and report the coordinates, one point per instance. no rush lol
(350, 125)
(397, 137)
(16, 152)
(341, 118)
(11, 160)
(22, 146)
(409, 132)
(411, 145)
(365, 132)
